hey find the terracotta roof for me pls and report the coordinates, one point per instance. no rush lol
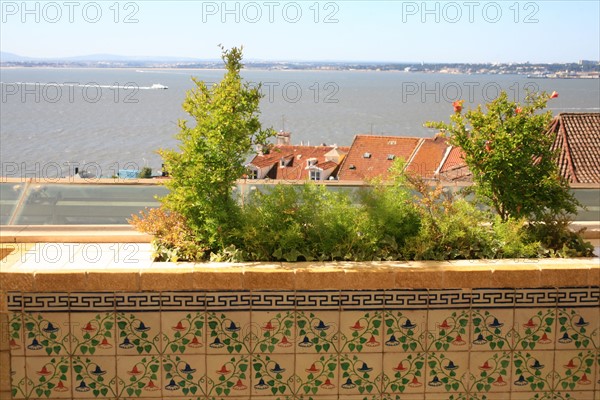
(578, 144)
(296, 157)
(453, 168)
(427, 158)
(326, 165)
(371, 156)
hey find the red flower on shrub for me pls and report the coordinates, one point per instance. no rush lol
(458, 105)
(518, 110)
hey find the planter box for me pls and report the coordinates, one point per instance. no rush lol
(438, 330)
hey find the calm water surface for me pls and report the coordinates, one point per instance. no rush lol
(109, 118)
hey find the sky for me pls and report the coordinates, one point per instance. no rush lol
(363, 31)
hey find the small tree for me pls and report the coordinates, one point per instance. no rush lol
(509, 153)
(212, 152)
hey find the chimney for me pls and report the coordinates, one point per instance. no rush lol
(283, 138)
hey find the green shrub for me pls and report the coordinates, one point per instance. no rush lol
(173, 239)
(297, 223)
(146, 173)
(557, 239)
(454, 228)
(391, 218)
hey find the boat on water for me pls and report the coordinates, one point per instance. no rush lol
(158, 86)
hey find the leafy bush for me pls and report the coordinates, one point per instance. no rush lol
(146, 173)
(173, 239)
(558, 240)
(453, 228)
(212, 151)
(391, 218)
(295, 223)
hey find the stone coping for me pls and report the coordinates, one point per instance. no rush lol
(154, 276)
(72, 234)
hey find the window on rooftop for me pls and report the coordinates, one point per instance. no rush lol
(391, 157)
(253, 174)
(283, 162)
(392, 142)
(311, 161)
(315, 175)
(367, 155)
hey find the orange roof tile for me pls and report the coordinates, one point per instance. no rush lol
(453, 168)
(427, 158)
(578, 145)
(296, 157)
(371, 156)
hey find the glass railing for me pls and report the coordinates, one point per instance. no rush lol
(64, 203)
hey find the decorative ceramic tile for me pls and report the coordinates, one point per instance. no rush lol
(355, 300)
(16, 334)
(578, 328)
(228, 375)
(403, 373)
(183, 375)
(98, 302)
(94, 376)
(273, 332)
(448, 330)
(317, 332)
(183, 332)
(492, 298)
(276, 372)
(228, 332)
(138, 333)
(490, 371)
(405, 331)
(446, 372)
(138, 376)
(532, 371)
(535, 298)
(492, 329)
(273, 300)
(406, 300)
(361, 331)
(318, 300)
(360, 374)
(321, 345)
(317, 375)
(449, 299)
(138, 302)
(93, 333)
(574, 370)
(46, 334)
(47, 377)
(535, 329)
(228, 301)
(18, 377)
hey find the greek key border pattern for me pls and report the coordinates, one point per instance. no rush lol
(304, 300)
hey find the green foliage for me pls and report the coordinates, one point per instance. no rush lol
(309, 222)
(146, 173)
(505, 148)
(558, 240)
(212, 152)
(173, 239)
(295, 223)
(509, 153)
(453, 228)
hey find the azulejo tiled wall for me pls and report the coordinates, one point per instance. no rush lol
(321, 345)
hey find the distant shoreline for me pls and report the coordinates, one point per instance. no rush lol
(443, 71)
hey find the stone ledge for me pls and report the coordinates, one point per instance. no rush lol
(309, 276)
(72, 234)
